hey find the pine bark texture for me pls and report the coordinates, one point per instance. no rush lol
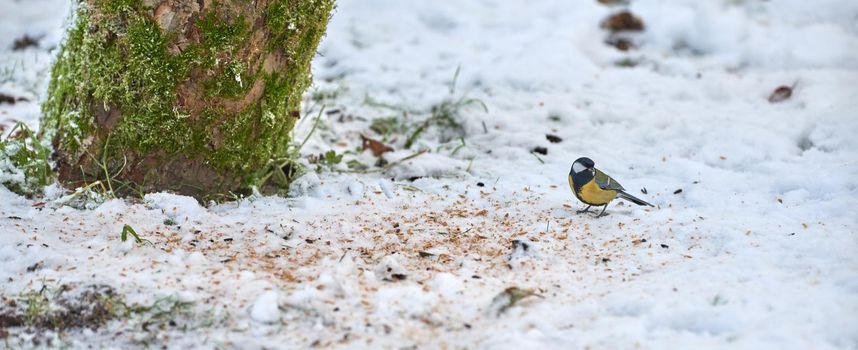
(195, 97)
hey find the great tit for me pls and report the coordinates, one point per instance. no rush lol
(595, 188)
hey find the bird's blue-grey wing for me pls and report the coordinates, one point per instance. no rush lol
(605, 182)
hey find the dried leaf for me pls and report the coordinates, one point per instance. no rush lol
(782, 93)
(25, 42)
(4, 98)
(541, 150)
(622, 44)
(613, 2)
(20, 134)
(35, 266)
(623, 21)
(376, 147)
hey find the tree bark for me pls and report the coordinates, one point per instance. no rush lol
(195, 97)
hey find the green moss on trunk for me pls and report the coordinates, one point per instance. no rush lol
(172, 95)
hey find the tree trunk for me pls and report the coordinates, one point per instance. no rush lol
(195, 97)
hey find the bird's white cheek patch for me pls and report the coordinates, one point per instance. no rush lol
(577, 167)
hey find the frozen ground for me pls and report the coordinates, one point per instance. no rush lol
(758, 250)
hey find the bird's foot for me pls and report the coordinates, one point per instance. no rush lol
(601, 215)
(582, 211)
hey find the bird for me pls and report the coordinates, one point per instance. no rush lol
(595, 188)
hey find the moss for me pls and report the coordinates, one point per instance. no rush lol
(294, 25)
(116, 61)
(116, 7)
(221, 38)
(222, 35)
(232, 82)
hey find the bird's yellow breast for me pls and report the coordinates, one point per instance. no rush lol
(592, 194)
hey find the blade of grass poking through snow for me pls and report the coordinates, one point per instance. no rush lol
(414, 135)
(128, 229)
(8, 72)
(78, 192)
(386, 167)
(508, 298)
(103, 163)
(275, 166)
(410, 188)
(25, 165)
(415, 155)
(369, 101)
(472, 101)
(312, 130)
(455, 78)
(459, 147)
(446, 115)
(109, 191)
(108, 177)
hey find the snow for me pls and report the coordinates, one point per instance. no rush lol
(265, 308)
(756, 252)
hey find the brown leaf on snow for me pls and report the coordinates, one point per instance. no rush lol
(613, 2)
(376, 147)
(782, 93)
(623, 21)
(19, 135)
(25, 42)
(4, 98)
(622, 44)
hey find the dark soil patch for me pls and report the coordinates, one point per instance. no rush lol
(553, 138)
(4, 98)
(67, 307)
(25, 42)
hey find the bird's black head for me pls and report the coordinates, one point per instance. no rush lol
(582, 164)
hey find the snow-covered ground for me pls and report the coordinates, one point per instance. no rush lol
(757, 250)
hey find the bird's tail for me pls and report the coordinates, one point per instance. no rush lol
(633, 199)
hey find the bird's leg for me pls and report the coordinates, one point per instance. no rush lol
(603, 212)
(586, 210)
